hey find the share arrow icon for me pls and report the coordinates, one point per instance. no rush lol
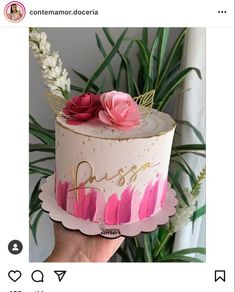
(60, 274)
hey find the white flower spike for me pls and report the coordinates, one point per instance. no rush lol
(56, 78)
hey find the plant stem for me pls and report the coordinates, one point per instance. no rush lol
(164, 241)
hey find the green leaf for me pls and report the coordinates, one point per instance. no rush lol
(200, 250)
(85, 79)
(35, 207)
(195, 130)
(43, 134)
(48, 132)
(123, 254)
(41, 148)
(79, 89)
(143, 56)
(172, 58)
(121, 69)
(190, 147)
(165, 95)
(139, 256)
(145, 36)
(132, 90)
(34, 225)
(125, 64)
(151, 58)
(136, 241)
(188, 152)
(42, 137)
(112, 43)
(102, 50)
(147, 248)
(198, 213)
(178, 188)
(148, 84)
(192, 175)
(189, 171)
(172, 72)
(101, 89)
(154, 238)
(35, 192)
(128, 48)
(108, 35)
(130, 244)
(41, 170)
(162, 36)
(180, 258)
(32, 119)
(106, 61)
(41, 160)
(163, 240)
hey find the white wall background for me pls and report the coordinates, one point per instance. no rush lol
(77, 48)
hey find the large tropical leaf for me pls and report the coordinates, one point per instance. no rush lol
(172, 59)
(41, 148)
(106, 61)
(194, 129)
(167, 92)
(109, 66)
(162, 36)
(198, 213)
(85, 79)
(42, 134)
(148, 248)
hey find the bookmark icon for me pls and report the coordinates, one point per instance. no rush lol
(60, 274)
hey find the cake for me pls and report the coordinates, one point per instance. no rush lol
(111, 175)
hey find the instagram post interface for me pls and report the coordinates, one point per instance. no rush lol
(117, 145)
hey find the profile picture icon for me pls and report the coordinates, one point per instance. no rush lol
(14, 11)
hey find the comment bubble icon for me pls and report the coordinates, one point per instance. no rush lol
(37, 276)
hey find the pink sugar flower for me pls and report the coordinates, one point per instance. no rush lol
(119, 110)
(82, 108)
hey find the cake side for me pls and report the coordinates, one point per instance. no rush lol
(113, 179)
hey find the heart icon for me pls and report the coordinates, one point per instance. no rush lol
(14, 275)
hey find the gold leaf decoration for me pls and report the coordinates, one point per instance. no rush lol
(145, 102)
(57, 103)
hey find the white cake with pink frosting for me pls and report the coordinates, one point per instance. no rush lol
(111, 161)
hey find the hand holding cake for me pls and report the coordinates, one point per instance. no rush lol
(72, 246)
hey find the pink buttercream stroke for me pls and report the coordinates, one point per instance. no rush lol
(91, 205)
(143, 211)
(124, 206)
(163, 198)
(62, 194)
(79, 203)
(85, 205)
(152, 195)
(152, 199)
(110, 212)
(100, 207)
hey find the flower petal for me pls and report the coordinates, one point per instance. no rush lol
(82, 116)
(85, 100)
(104, 118)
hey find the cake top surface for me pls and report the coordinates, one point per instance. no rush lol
(155, 124)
